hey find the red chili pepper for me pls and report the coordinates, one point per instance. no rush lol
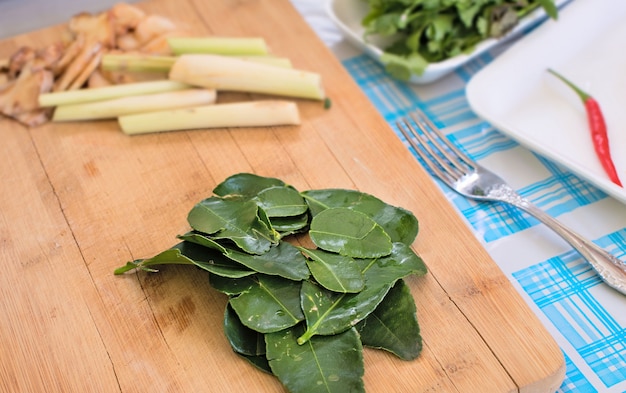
(597, 126)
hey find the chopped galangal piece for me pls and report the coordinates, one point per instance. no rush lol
(74, 61)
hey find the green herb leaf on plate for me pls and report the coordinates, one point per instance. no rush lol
(419, 33)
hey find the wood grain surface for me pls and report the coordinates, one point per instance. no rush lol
(78, 200)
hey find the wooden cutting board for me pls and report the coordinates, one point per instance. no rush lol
(78, 200)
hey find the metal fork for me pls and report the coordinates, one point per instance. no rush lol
(471, 180)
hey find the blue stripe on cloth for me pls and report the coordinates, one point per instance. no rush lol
(558, 193)
(575, 381)
(563, 288)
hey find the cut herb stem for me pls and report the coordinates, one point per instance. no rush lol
(116, 107)
(218, 45)
(226, 73)
(149, 63)
(240, 114)
(109, 92)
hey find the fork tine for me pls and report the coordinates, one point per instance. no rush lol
(444, 159)
(439, 167)
(424, 122)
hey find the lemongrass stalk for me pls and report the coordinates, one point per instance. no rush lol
(269, 60)
(218, 45)
(137, 62)
(239, 114)
(150, 63)
(227, 73)
(116, 107)
(109, 92)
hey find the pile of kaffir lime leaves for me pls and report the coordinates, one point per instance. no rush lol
(304, 314)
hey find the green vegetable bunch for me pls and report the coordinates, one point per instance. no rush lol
(304, 314)
(430, 31)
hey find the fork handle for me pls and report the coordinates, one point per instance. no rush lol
(610, 268)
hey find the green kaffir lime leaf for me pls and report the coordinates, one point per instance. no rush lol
(246, 342)
(333, 271)
(400, 224)
(282, 260)
(281, 201)
(233, 219)
(246, 185)
(325, 364)
(393, 325)
(329, 312)
(350, 233)
(270, 305)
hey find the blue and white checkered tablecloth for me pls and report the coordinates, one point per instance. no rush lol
(586, 318)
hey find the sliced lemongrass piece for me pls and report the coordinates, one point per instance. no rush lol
(109, 92)
(218, 45)
(282, 62)
(227, 73)
(137, 62)
(150, 63)
(116, 107)
(239, 114)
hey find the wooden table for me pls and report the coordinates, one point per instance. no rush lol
(78, 200)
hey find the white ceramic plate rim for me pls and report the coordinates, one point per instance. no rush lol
(348, 14)
(555, 127)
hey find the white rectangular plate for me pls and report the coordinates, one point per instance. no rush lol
(517, 95)
(348, 14)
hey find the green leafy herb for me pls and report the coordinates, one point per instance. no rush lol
(246, 342)
(233, 219)
(393, 325)
(400, 224)
(329, 312)
(324, 364)
(246, 185)
(282, 260)
(333, 271)
(350, 233)
(304, 314)
(281, 202)
(422, 32)
(270, 305)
